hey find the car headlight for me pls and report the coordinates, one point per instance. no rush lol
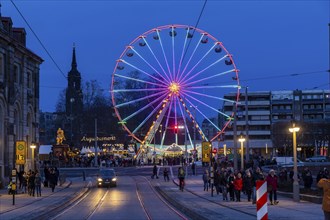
(114, 179)
(99, 179)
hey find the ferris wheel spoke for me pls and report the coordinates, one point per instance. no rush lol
(134, 90)
(144, 107)
(165, 58)
(152, 67)
(185, 125)
(173, 50)
(154, 55)
(206, 105)
(212, 64)
(200, 60)
(150, 114)
(148, 74)
(138, 100)
(207, 118)
(166, 123)
(140, 80)
(193, 118)
(182, 54)
(211, 96)
(210, 77)
(191, 56)
(214, 87)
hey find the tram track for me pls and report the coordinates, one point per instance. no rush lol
(141, 198)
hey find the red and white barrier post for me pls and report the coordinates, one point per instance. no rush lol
(262, 212)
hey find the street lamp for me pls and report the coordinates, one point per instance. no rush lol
(296, 196)
(242, 139)
(33, 146)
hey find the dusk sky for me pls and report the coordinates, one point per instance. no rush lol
(276, 45)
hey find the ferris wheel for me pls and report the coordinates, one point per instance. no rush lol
(169, 80)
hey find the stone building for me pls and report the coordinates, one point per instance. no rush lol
(19, 98)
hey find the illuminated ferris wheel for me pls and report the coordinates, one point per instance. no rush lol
(172, 77)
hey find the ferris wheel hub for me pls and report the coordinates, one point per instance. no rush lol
(174, 87)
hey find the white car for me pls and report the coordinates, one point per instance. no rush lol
(198, 163)
(317, 159)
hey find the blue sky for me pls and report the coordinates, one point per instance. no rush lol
(269, 40)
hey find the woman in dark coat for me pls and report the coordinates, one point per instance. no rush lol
(52, 179)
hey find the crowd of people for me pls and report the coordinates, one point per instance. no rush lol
(31, 182)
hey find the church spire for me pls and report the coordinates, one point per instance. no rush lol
(74, 62)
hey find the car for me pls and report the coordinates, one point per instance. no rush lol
(107, 177)
(317, 159)
(286, 161)
(198, 163)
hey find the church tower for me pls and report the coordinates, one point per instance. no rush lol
(74, 102)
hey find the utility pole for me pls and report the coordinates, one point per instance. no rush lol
(247, 126)
(95, 147)
(235, 136)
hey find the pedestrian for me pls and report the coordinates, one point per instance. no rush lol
(193, 168)
(206, 178)
(181, 176)
(24, 183)
(165, 173)
(325, 185)
(223, 182)
(154, 172)
(307, 178)
(31, 185)
(238, 186)
(272, 187)
(217, 184)
(248, 184)
(37, 183)
(257, 176)
(52, 179)
(230, 183)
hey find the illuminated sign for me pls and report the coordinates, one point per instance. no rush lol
(20, 152)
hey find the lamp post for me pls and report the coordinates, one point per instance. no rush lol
(33, 146)
(296, 196)
(242, 139)
(195, 153)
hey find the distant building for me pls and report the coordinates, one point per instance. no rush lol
(19, 98)
(257, 115)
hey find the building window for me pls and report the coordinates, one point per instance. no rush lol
(29, 80)
(17, 74)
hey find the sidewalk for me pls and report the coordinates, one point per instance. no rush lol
(199, 204)
(27, 207)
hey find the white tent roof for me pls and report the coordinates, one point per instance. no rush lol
(45, 149)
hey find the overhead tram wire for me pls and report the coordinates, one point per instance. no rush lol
(276, 76)
(43, 46)
(199, 18)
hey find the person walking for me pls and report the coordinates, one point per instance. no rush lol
(324, 183)
(181, 176)
(206, 178)
(37, 183)
(31, 185)
(230, 182)
(257, 176)
(52, 179)
(193, 168)
(248, 184)
(165, 173)
(154, 172)
(238, 186)
(272, 187)
(224, 185)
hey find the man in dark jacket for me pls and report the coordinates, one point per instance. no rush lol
(257, 175)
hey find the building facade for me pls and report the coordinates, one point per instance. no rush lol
(19, 97)
(259, 113)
